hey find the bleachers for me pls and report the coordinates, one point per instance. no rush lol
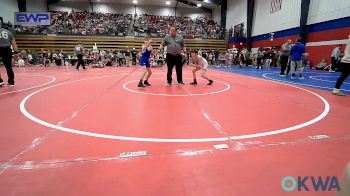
(67, 43)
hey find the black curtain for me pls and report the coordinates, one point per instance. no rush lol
(223, 15)
(250, 15)
(92, 6)
(22, 5)
(49, 2)
(305, 4)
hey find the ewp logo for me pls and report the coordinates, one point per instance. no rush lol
(318, 183)
(31, 19)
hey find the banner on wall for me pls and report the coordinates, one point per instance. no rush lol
(276, 5)
(32, 19)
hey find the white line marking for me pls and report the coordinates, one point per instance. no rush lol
(325, 43)
(193, 152)
(132, 154)
(178, 140)
(221, 146)
(319, 137)
(283, 81)
(53, 79)
(35, 143)
(333, 81)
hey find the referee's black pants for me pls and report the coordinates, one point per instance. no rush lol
(80, 61)
(171, 62)
(6, 55)
(284, 63)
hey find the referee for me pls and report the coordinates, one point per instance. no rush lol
(175, 45)
(6, 40)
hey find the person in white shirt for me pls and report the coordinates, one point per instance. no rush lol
(200, 64)
(230, 58)
(345, 66)
(30, 58)
(79, 50)
(21, 62)
(334, 57)
(211, 57)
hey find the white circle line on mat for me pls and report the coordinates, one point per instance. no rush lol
(53, 79)
(332, 81)
(173, 140)
(287, 82)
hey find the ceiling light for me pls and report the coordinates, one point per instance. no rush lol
(134, 1)
(167, 2)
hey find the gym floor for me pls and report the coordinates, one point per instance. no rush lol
(67, 132)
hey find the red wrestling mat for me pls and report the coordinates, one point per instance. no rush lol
(64, 132)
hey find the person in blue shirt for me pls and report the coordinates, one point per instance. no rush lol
(296, 53)
(144, 62)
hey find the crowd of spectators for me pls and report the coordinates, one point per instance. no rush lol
(237, 31)
(131, 57)
(93, 23)
(201, 27)
(83, 23)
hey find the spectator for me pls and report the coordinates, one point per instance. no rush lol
(322, 65)
(285, 53)
(92, 23)
(335, 57)
(134, 56)
(260, 56)
(127, 56)
(308, 65)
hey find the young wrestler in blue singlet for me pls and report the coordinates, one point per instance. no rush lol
(144, 62)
